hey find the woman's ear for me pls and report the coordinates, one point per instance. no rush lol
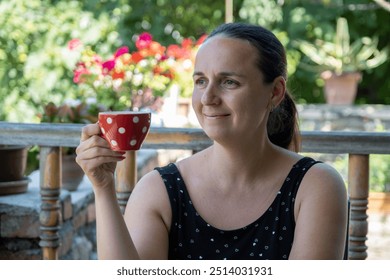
(278, 91)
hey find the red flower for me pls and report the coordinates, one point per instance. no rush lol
(136, 57)
(186, 43)
(178, 52)
(118, 75)
(201, 39)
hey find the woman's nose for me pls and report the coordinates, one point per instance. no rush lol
(210, 96)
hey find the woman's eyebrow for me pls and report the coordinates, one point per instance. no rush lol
(232, 73)
(199, 73)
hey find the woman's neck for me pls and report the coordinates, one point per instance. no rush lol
(241, 165)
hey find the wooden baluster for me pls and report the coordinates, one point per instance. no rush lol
(126, 178)
(358, 176)
(50, 216)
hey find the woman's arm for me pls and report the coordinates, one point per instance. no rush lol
(98, 162)
(148, 217)
(321, 215)
(113, 238)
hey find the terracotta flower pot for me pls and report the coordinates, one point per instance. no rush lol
(72, 174)
(341, 89)
(13, 161)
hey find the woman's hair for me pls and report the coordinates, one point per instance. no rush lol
(282, 125)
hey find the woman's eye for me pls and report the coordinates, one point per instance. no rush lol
(230, 83)
(200, 82)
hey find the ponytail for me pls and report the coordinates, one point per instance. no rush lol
(282, 125)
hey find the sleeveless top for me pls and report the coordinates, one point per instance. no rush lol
(269, 237)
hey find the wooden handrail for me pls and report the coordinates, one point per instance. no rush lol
(68, 135)
(358, 145)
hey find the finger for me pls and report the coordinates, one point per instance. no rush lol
(90, 161)
(99, 151)
(97, 145)
(90, 130)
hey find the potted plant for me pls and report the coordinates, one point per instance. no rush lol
(71, 112)
(341, 62)
(138, 79)
(120, 81)
(13, 166)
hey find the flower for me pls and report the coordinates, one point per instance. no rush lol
(184, 59)
(120, 80)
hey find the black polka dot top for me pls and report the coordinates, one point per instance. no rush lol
(269, 237)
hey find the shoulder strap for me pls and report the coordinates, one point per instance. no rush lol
(299, 171)
(171, 177)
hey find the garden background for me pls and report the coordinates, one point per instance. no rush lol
(35, 67)
(40, 42)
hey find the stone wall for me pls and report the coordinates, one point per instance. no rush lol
(19, 228)
(337, 117)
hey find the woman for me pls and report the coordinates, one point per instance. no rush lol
(248, 196)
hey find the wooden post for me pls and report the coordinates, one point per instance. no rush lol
(50, 216)
(126, 178)
(358, 176)
(228, 11)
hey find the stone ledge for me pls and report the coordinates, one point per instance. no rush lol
(20, 226)
(340, 117)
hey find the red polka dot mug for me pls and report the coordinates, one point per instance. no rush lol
(124, 130)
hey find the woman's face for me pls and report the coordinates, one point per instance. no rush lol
(230, 99)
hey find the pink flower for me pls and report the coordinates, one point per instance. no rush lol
(108, 66)
(74, 44)
(79, 72)
(143, 41)
(121, 51)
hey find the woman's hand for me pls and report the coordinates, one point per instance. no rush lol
(96, 158)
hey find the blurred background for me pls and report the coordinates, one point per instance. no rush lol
(36, 66)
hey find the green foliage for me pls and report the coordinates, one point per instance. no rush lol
(264, 13)
(168, 20)
(35, 65)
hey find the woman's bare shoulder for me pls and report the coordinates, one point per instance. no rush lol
(150, 186)
(150, 196)
(320, 215)
(323, 184)
(324, 175)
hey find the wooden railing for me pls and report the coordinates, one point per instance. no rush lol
(51, 137)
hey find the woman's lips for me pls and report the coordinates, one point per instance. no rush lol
(215, 116)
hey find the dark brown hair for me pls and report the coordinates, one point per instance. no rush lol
(282, 125)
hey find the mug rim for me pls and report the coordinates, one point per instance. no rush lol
(124, 113)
